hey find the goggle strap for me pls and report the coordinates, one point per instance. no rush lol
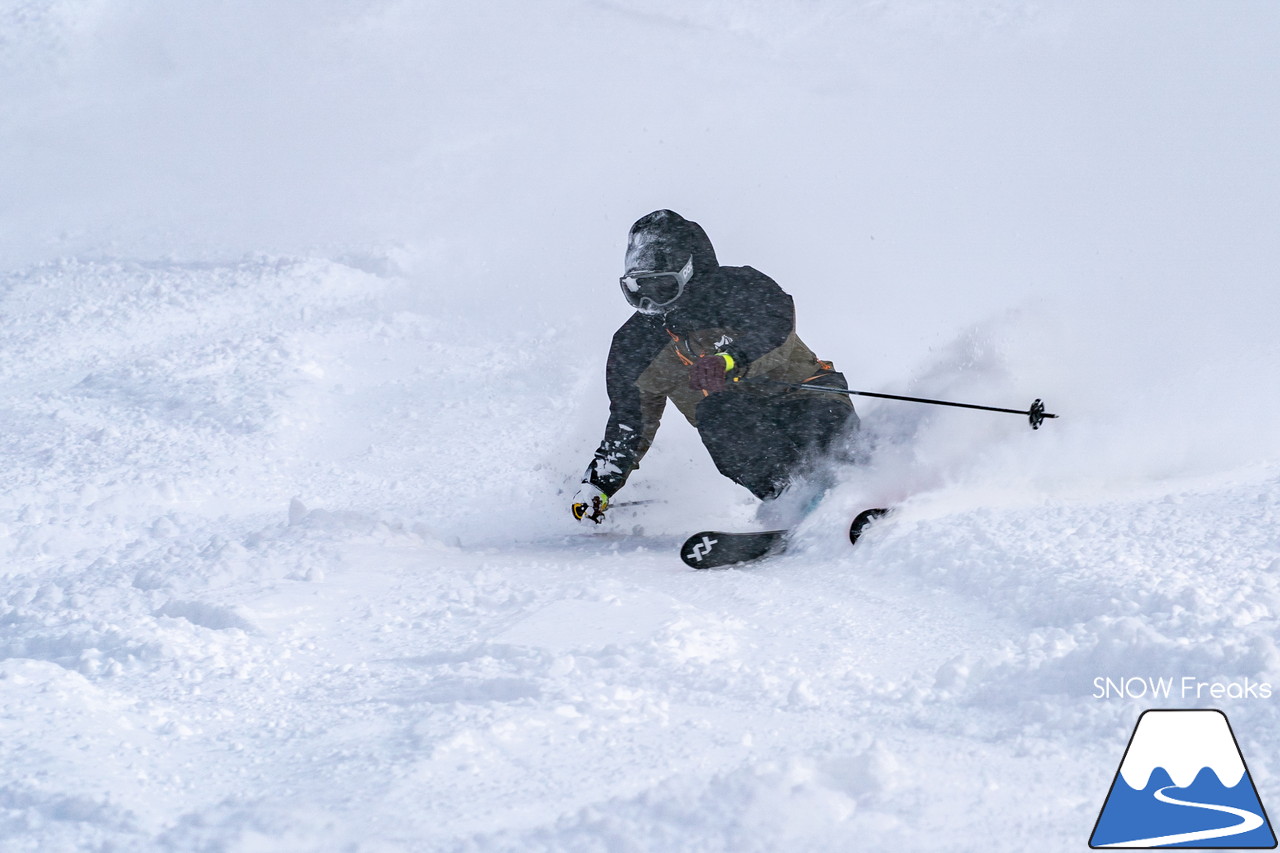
(686, 272)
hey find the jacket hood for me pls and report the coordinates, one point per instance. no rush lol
(663, 241)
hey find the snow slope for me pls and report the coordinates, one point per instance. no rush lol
(303, 310)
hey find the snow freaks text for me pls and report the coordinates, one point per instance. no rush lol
(1185, 687)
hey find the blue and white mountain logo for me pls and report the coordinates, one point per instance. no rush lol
(1183, 783)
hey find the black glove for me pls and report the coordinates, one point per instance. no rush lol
(708, 373)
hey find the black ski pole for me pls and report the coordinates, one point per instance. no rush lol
(1036, 414)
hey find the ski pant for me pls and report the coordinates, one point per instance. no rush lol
(763, 441)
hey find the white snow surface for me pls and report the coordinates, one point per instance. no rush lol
(303, 316)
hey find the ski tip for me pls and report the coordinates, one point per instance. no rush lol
(698, 547)
(863, 520)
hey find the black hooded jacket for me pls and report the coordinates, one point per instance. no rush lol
(734, 310)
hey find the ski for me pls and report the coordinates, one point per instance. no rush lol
(715, 549)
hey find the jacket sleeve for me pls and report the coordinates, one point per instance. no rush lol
(633, 413)
(763, 310)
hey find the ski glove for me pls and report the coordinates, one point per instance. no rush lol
(589, 504)
(708, 373)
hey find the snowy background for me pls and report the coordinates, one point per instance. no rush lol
(303, 314)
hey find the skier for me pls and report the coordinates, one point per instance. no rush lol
(718, 342)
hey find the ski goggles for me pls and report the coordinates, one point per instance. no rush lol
(648, 292)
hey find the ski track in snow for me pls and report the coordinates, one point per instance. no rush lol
(224, 626)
